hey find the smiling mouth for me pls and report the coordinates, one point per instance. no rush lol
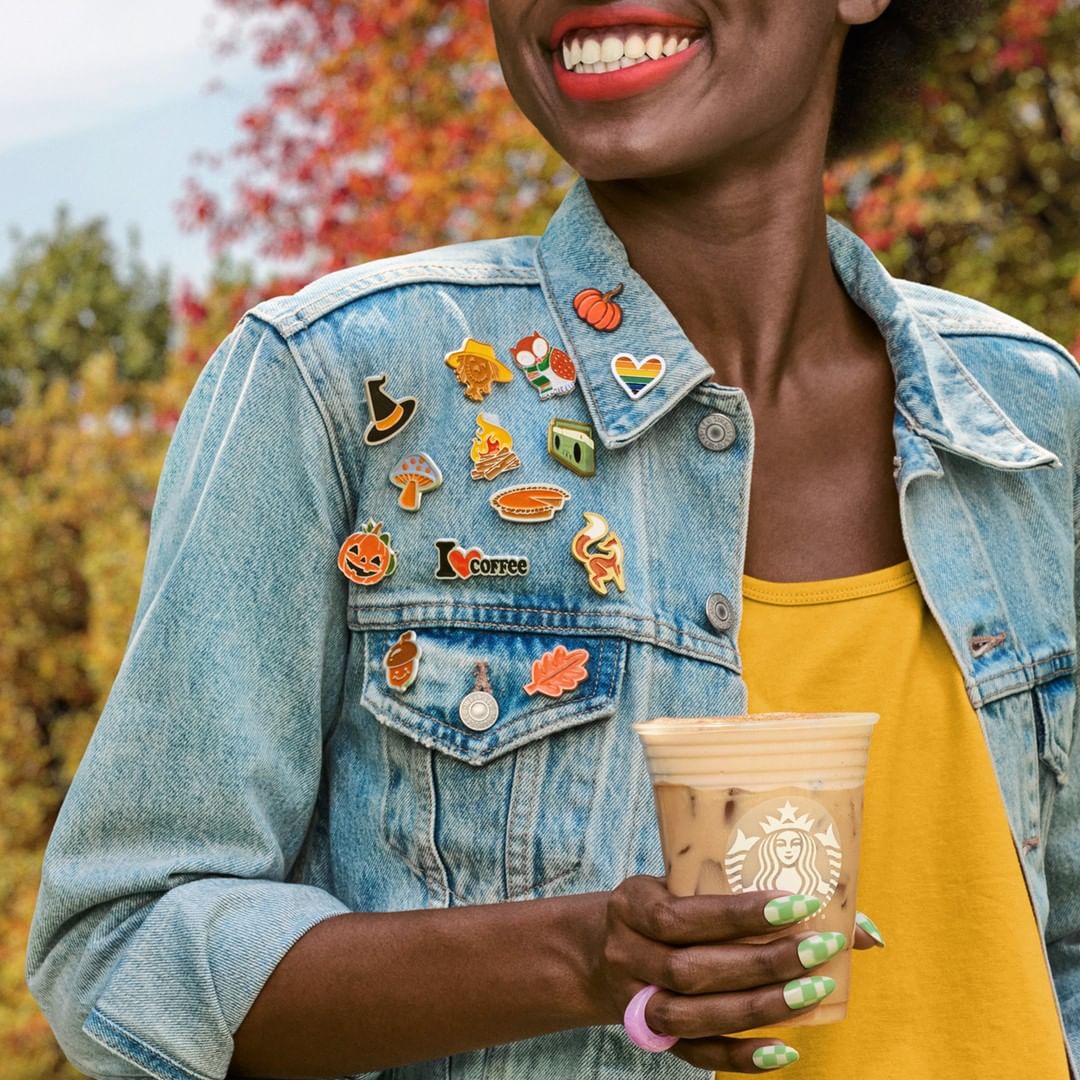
(592, 52)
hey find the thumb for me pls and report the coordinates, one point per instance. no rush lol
(867, 935)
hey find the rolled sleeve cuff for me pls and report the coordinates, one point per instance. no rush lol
(192, 971)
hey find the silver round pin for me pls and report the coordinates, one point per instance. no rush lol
(478, 710)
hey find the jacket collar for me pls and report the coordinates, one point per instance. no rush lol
(937, 396)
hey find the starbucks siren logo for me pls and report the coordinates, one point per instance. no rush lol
(784, 852)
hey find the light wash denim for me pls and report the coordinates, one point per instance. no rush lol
(252, 772)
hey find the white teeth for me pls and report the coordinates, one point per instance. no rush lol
(591, 55)
(611, 50)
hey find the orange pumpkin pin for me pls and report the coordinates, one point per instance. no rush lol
(402, 661)
(557, 671)
(366, 557)
(599, 309)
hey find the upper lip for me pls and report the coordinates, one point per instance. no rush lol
(615, 15)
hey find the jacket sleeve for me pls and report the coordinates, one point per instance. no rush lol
(1063, 858)
(165, 902)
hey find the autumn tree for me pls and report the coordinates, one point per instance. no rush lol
(393, 131)
(80, 455)
(69, 294)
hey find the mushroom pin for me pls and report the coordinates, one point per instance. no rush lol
(414, 475)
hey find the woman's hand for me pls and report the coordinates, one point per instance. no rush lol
(711, 983)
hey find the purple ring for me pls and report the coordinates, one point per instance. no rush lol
(638, 1030)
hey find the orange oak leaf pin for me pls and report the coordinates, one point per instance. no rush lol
(559, 670)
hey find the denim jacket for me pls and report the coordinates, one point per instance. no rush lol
(260, 765)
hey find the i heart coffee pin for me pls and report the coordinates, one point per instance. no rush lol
(637, 377)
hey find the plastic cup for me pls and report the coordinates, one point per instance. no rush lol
(766, 801)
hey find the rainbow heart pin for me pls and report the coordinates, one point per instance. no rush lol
(637, 377)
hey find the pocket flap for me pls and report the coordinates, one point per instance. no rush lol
(428, 710)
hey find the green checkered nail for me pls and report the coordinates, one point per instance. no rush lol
(799, 993)
(819, 948)
(789, 909)
(864, 922)
(775, 1057)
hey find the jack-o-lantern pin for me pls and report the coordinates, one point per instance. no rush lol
(402, 661)
(366, 557)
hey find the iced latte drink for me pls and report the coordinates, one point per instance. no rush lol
(766, 801)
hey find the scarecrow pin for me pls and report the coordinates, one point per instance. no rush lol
(477, 368)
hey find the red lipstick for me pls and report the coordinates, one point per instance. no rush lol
(596, 18)
(624, 83)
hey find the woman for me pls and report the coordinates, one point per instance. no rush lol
(332, 753)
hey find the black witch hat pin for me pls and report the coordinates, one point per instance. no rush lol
(388, 416)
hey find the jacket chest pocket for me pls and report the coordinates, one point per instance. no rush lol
(486, 808)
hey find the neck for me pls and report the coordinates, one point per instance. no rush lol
(740, 258)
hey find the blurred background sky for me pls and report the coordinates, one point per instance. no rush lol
(102, 103)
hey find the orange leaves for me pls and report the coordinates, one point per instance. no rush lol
(401, 105)
(558, 671)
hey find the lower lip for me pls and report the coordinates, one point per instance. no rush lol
(626, 82)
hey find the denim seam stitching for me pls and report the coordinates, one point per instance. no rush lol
(959, 328)
(1032, 666)
(587, 612)
(723, 657)
(484, 274)
(123, 1031)
(324, 413)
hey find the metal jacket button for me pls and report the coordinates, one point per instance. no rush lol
(478, 710)
(716, 431)
(719, 612)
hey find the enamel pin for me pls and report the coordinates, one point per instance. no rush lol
(492, 450)
(529, 502)
(459, 564)
(366, 557)
(572, 445)
(600, 551)
(402, 661)
(415, 475)
(599, 309)
(477, 368)
(388, 417)
(557, 671)
(637, 377)
(549, 369)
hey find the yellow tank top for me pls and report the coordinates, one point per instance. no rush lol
(961, 989)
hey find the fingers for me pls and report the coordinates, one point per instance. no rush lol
(704, 969)
(705, 1015)
(644, 904)
(867, 935)
(736, 1055)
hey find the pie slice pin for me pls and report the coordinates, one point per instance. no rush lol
(529, 502)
